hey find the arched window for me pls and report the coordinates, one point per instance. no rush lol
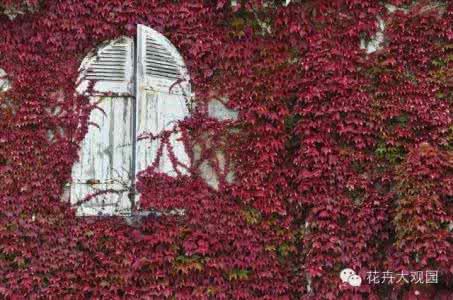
(140, 86)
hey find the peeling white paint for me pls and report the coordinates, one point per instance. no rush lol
(157, 112)
(218, 110)
(112, 153)
(105, 160)
(210, 176)
(162, 86)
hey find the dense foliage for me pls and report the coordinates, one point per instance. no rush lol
(342, 158)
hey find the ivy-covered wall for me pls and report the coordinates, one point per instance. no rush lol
(342, 158)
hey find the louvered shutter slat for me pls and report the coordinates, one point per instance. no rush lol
(159, 64)
(111, 68)
(113, 58)
(162, 91)
(106, 152)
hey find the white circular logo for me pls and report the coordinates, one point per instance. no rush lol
(345, 274)
(349, 276)
(355, 280)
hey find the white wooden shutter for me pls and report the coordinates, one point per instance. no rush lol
(162, 92)
(111, 68)
(103, 172)
(159, 64)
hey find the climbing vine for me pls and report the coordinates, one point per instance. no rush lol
(341, 158)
